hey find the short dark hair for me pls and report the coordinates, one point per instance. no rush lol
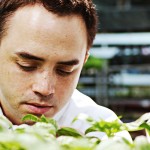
(84, 8)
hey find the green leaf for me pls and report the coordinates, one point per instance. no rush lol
(110, 128)
(30, 117)
(67, 131)
(48, 120)
(91, 129)
(140, 123)
(145, 126)
(94, 140)
(11, 146)
(43, 119)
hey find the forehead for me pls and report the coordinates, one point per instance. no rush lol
(38, 18)
(37, 28)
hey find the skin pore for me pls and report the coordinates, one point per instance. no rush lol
(41, 57)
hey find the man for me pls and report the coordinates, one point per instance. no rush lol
(43, 47)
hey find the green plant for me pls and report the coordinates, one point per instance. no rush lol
(45, 134)
(93, 63)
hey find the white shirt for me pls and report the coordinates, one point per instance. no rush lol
(80, 103)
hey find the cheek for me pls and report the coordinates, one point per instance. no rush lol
(13, 83)
(17, 81)
(65, 87)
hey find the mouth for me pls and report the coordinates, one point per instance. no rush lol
(36, 108)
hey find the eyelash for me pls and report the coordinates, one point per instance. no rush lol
(32, 68)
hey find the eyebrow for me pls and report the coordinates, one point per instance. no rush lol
(69, 63)
(26, 55)
(29, 56)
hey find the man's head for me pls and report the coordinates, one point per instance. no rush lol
(83, 8)
(42, 52)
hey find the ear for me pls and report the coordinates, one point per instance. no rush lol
(86, 56)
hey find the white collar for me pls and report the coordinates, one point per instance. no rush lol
(58, 115)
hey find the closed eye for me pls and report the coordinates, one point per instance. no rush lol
(63, 73)
(27, 68)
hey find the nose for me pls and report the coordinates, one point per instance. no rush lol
(44, 85)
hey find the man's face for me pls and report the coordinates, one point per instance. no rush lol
(41, 58)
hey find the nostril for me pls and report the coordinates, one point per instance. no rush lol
(44, 97)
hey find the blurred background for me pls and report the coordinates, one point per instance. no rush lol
(117, 74)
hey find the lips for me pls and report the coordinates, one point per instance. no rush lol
(36, 108)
